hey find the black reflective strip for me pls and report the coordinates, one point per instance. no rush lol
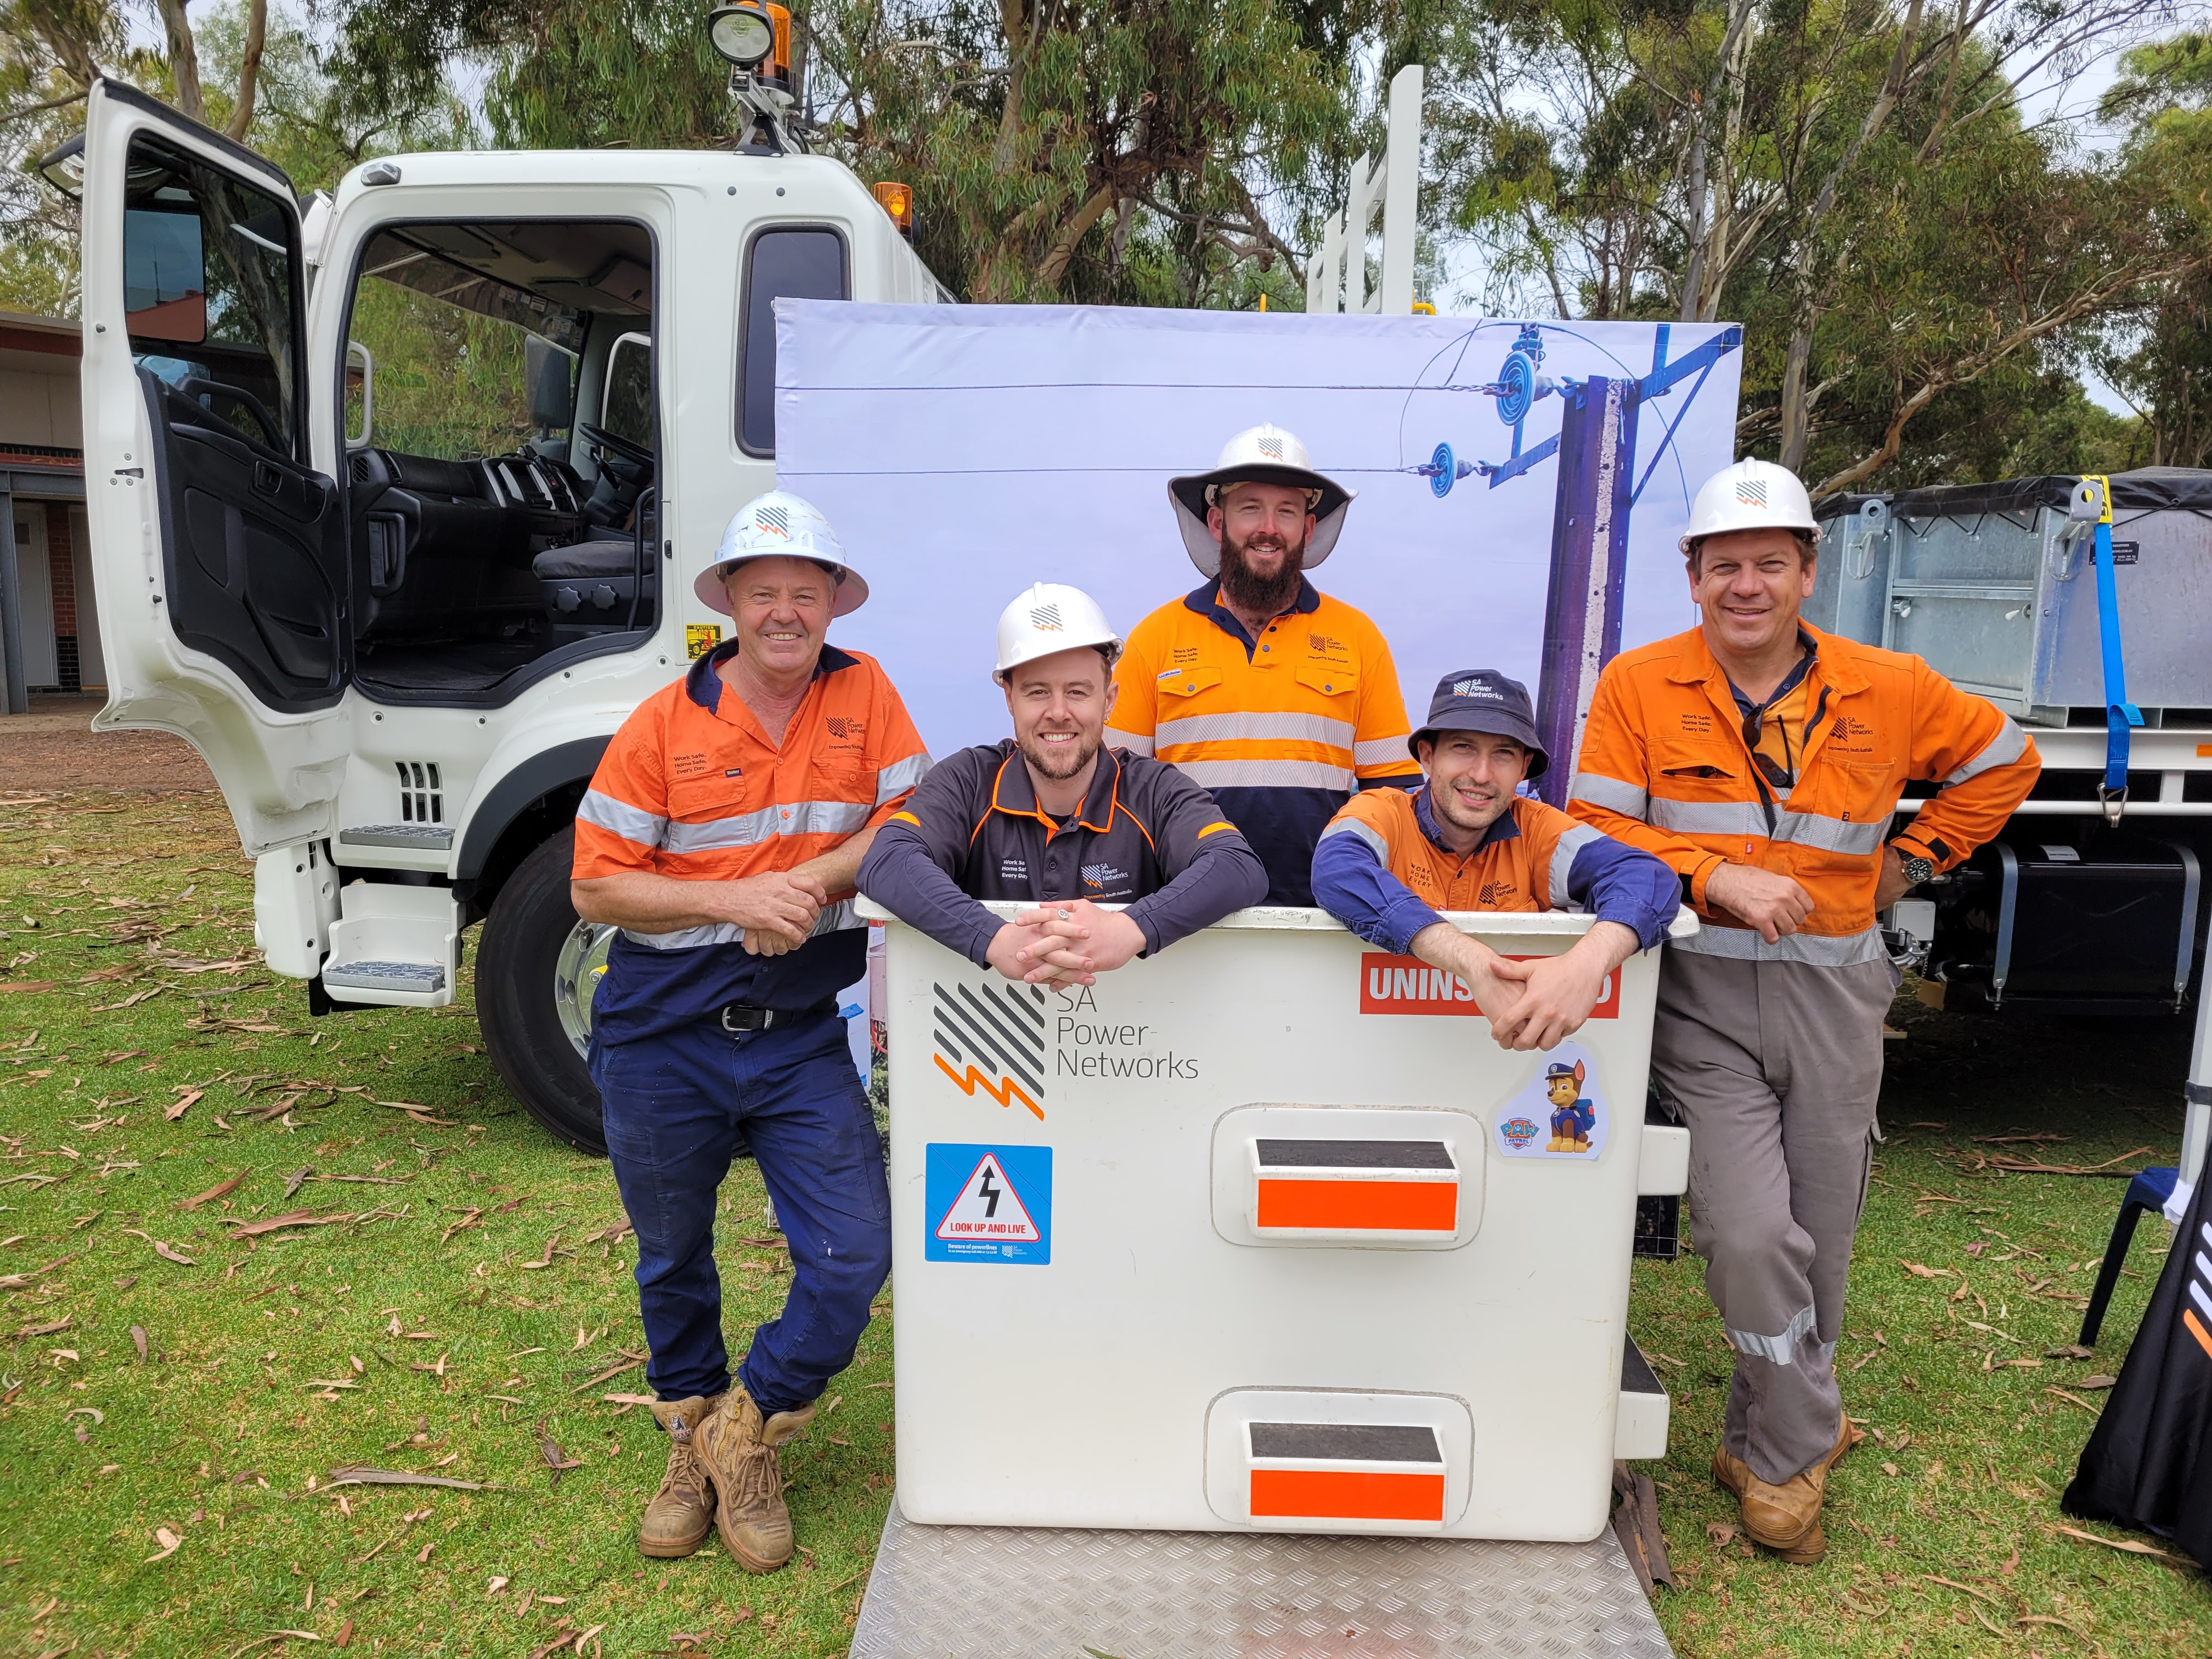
(1355, 1155)
(1346, 1442)
(1637, 1376)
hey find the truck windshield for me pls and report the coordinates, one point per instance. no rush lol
(462, 364)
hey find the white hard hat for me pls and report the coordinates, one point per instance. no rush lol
(1052, 617)
(780, 526)
(1264, 454)
(1749, 496)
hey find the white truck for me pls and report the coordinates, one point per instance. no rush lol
(395, 511)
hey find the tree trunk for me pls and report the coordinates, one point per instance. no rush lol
(1019, 36)
(1693, 274)
(1796, 413)
(1071, 233)
(183, 59)
(249, 70)
(1796, 410)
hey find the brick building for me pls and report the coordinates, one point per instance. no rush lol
(42, 499)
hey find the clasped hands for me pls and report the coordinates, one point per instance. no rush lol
(1531, 1005)
(778, 910)
(1069, 943)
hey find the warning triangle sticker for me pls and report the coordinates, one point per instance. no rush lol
(988, 1209)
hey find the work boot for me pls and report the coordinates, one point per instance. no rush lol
(739, 1448)
(677, 1519)
(1785, 1518)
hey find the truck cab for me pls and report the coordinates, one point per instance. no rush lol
(395, 507)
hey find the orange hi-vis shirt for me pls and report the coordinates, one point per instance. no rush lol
(1282, 730)
(691, 788)
(1663, 767)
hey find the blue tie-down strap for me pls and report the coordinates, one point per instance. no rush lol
(2120, 715)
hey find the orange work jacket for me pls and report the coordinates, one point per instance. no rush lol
(1663, 767)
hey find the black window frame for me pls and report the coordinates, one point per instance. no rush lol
(746, 310)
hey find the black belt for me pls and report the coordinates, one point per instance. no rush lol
(748, 1017)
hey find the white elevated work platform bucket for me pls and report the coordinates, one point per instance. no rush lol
(1267, 1235)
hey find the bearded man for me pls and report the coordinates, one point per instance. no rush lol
(1052, 818)
(1282, 702)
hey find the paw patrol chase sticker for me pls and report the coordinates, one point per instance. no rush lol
(1560, 1114)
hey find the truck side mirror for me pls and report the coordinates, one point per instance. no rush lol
(551, 374)
(360, 375)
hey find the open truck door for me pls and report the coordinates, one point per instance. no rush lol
(219, 550)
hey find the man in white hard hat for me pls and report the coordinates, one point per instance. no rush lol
(1053, 818)
(721, 834)
(1763, 760)
(1281, 701)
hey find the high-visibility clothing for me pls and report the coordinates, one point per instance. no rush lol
(692, 788)
(1663, 767)
(1381, 870)
(1282, 728)
(1145, 836)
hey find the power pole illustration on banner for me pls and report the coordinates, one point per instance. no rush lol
(1596, 493)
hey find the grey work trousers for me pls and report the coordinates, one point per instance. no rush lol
(1775, 1068)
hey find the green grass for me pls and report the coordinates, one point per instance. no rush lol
(216, 1433)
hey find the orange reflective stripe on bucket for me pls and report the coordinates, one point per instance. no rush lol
(1370, 1205)
(1347, 1494)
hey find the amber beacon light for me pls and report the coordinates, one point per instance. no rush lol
(897, 200)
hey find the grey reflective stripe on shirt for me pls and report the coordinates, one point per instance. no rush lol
(1267, 775)
(833, 918)
(1816, 950)
(1780, 1349)
(1240, 725)
(1830, 835)
(1610, 794)
(1128, 740)
(685, 939)
(900, 776)
(1708, 817)
(619, 816)
(2008, 746)
(1563, 861)
(1366, 832)
(803, 817)
(1381, 751)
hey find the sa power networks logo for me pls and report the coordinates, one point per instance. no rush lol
(1406, 985)
(991, 1037)
(1005, 1042)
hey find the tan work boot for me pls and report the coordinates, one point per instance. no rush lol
(677, 1519)
(1785, 1518)
(739, 1449)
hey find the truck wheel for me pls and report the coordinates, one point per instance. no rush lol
(536, 970)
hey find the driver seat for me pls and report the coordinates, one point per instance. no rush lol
(588, 584)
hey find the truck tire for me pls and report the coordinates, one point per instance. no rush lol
(535, 970)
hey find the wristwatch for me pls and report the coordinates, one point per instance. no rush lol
(1916, 867)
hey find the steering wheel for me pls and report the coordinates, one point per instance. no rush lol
(599, 438)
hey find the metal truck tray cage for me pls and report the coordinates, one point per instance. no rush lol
(1046, 1592)
(1996, 587)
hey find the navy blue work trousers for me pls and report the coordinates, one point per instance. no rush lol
(676, 1105)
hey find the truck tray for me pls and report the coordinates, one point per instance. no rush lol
(990, 1592)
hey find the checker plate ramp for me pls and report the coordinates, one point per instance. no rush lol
(1044, 1593)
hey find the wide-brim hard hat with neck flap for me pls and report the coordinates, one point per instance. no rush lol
(1263, 454)
(780, 526)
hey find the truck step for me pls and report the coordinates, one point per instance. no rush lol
(422, 976)
(436, 837)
